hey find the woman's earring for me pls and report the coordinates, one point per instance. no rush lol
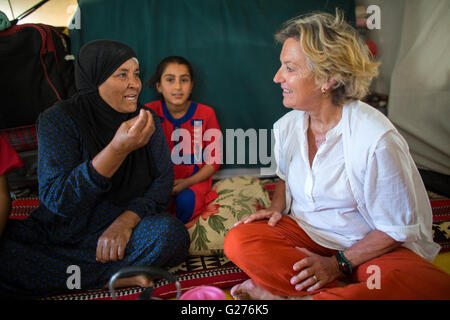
(324, 91)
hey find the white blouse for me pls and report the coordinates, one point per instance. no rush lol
(320, 196)
(322, 203)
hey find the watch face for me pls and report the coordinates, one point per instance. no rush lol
(344, 267)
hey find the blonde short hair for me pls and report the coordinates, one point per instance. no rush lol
(333, 48)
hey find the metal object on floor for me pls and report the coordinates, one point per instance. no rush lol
(151, 273)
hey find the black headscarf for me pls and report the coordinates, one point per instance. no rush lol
(98, 122)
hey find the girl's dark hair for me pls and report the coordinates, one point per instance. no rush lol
(156, 77)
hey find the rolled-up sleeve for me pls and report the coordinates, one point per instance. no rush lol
(392, 188)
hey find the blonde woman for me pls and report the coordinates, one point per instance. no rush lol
(350, 205)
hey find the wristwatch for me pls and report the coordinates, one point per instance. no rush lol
(344, 265)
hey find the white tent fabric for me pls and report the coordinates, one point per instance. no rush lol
(419, 100)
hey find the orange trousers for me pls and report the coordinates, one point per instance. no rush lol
(266, 254)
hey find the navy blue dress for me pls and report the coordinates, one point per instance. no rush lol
(36, 253)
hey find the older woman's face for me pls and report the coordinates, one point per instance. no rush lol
(297, 82)
(121, 90)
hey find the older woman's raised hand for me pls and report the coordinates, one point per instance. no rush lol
(134, 133)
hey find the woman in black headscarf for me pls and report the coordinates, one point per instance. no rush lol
(105, 179)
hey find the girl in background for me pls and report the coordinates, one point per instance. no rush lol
(184, 123)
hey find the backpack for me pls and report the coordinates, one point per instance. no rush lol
(37, 70)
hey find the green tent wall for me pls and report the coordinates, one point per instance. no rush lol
(229, 42)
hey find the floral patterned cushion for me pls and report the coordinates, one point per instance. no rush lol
(238, 197)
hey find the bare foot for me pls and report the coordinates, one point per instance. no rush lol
(248, 290)
(137, 281)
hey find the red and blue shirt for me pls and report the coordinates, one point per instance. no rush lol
(189, 146)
